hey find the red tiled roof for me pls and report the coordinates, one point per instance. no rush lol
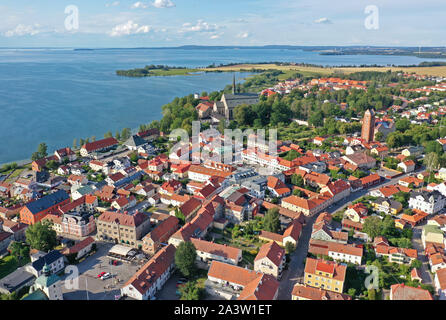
(100, 144)
(152, 270)
(79, 246)
(217, 249)
(272, 251)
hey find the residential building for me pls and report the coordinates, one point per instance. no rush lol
(230, 282)
(337, 251)
(54, 260)
(304, 292)
(326, 275)
(210, 251)
(361, 160)
(79, 224)
(440, 283)
(387, 206)
(98, 146)
(160, 235)
(403, 292)
(430, 203)
(270, 259)
(80, 249)
(122, 228)
(395, 254)
(35, 211)
(151, 277)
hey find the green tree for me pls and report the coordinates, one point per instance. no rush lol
(42, 150)
(126, 132)
(52, 165)
(180, 216)
(108, 134)
(185, 256)
(316, 119)
(41, 236)
(289, 247)
(379, 136)
(372, 226)
(190, 291)
(272, 220)
(297, 180)
(35, 156)
(74, 143)
(372, 295)
(402, 125)
(118, 136)
(416, 264)
(19, 250)
(431, 161)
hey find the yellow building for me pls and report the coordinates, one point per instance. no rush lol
(387, 206)
(441, 174)
(327, 275)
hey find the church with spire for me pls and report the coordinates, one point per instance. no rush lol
(224, 109)
(46, 287)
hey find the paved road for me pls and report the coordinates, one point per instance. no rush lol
(417, 244)
(296, 266)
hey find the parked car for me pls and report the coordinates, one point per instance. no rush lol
(106, 276)
(101, 274)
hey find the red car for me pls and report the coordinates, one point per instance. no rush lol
(101, 274)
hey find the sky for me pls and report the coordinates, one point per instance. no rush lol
(170, 23)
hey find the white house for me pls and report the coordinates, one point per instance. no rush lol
(144, 284)
(440, 283)
(427, 202)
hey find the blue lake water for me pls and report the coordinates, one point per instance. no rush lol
(54, 96)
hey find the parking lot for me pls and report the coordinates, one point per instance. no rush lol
(89, 286)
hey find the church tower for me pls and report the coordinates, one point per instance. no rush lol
(234, 90)
(49, 284)
(368, 126)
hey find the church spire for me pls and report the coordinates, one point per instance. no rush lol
(233, 85)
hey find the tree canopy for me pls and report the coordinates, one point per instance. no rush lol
(185, 256)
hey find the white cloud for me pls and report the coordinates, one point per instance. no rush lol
(200, 26)
(22, 30)
(139, 5)
(112, 4)
(129, 28)
(323, 21)
(243, 35)
(163, 4)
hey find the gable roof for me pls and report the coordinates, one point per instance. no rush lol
(100, 144)
(272, 251)
(403, 292)
(143, 280)
(221, 250)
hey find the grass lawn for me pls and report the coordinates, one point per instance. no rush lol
(9, 264)
(14, 175)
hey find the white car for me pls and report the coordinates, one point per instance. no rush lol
(106, 276)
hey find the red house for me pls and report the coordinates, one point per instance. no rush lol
(36, 210)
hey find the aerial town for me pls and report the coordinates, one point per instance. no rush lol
(351, 205)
